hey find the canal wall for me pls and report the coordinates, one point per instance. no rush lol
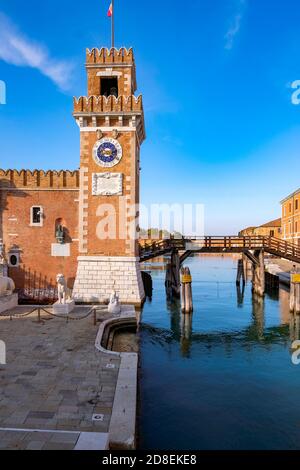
(122, 429)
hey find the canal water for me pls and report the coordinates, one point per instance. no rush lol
(222, 378)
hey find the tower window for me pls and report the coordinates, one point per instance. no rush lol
(36, 216)
(109, 86)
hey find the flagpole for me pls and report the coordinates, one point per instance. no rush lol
(113, 25)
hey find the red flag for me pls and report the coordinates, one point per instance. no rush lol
(110, 10)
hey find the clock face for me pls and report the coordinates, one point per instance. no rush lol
(107, 152)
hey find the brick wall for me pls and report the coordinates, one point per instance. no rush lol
(57, 193)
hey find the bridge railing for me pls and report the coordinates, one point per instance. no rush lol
(227, 242)
(232, 243)
(283, 247)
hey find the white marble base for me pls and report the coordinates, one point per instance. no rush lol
(98, 276)
(8, 302)
(63, 309)
(92, 441)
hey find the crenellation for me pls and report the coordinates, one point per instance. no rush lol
(101, 104)
(39, 179)
(109, 56)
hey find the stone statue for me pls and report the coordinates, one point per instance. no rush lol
(62, 289)
(114, 306)
(60, 234)
(2, 256)
(7, 286)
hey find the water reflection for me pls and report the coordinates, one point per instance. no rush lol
(180, 330)
(240, 293)
(223, 375)
(258, 317)
(186, 333)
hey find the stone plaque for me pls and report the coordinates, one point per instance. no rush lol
(107, 184)
(60, 250)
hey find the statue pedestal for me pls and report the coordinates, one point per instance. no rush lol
(8, 302)
(64, 309)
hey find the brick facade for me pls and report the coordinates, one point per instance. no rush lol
(57, 194)
(291, 218)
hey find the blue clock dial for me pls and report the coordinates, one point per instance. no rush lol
(107, 152)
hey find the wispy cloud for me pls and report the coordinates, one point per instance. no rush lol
(17, 49)
(235, 24)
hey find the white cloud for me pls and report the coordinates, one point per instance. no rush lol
(235, 25)
(16, 49)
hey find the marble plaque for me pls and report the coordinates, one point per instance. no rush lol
(60, 250)
(107, 184)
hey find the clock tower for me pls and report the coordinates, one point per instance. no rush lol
(111, 124)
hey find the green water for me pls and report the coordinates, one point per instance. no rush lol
(222, 378)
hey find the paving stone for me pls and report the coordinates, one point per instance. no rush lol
(56, 380)
(35, 445)
(58, 446)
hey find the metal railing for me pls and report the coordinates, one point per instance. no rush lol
(40, 310)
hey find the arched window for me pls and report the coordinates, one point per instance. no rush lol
(60, 230)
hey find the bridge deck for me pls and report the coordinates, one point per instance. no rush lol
(218, 244)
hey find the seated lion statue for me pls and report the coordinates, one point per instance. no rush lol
(7, 286)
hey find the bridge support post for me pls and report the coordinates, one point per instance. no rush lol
(173, 275)
(240, 273)
(258, 276)
(247, 267)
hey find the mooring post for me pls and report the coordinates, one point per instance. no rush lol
(187, 301)
(240, 273)
(295, 291)
(183, 301)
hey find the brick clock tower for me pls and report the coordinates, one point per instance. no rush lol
(111, 124)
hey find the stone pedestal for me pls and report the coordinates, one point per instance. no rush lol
(98, 276)
(8, 302)
(63, 309)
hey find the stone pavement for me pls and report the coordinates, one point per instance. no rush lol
(54, 380)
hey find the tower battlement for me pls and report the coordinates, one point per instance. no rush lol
(39, 179)
(101, 104)
(111, 56)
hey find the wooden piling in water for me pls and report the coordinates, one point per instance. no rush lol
(186, 291)
(258, 278)
(240, 273)
(295, 292)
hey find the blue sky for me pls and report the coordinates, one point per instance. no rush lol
(216, 79)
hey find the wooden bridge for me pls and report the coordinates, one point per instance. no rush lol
(253, 247)
(218, 244)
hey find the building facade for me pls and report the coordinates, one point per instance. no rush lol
(83, 224)
(270, 229)
(291, 218)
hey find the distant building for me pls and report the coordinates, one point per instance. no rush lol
(291, 217)
(247, 231)
(270, 229)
